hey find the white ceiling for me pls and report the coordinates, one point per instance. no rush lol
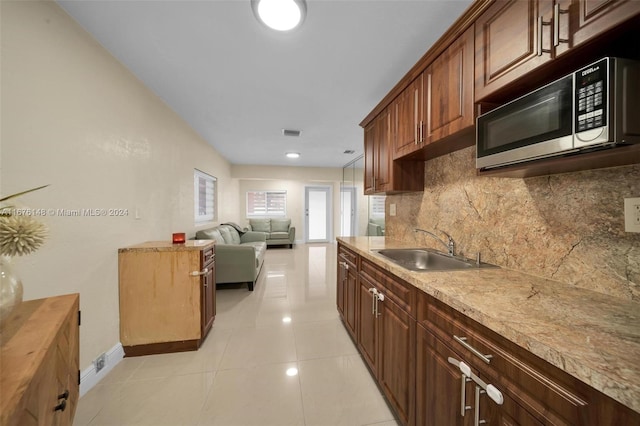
(239, 84)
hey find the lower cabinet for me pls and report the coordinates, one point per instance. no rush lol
(167, 296)
(438, 367)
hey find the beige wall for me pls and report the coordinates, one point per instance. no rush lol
(568, 227)
(293, 180)
(75, 118)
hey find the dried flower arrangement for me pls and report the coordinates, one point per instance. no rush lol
(19, 234)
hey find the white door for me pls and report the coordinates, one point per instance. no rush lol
(348, 211)
(317, 207)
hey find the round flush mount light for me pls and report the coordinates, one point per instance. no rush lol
(293, 155)
(280, 15)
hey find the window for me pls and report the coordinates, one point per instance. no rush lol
(204, 196)
(376, 206)
(266, 203)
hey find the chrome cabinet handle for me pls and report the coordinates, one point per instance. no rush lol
(199, 273)
(379, 298)
(540, 24)
(476, 416)
(373, 300)
(463, 395)
(462, 341)
(556, 25)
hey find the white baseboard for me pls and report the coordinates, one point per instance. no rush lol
(89, 378)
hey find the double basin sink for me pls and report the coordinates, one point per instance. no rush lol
(424, 260)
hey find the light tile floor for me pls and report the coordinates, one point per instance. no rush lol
(239, 375)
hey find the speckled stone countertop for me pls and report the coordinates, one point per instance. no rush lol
(151, 246)
(589, 335)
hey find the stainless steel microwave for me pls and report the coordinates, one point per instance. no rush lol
(595, 107)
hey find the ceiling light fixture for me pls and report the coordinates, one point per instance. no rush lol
(293, 155)
(280, 15)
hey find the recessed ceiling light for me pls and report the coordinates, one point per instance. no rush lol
(293, 155)
(280, 15)
(292, 371)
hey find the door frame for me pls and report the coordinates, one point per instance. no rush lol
(328, 190)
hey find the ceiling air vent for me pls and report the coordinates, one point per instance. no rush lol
(349, 151)
(290, 132)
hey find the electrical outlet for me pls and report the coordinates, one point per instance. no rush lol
(100, 362)
(392, 209)
(632, 214)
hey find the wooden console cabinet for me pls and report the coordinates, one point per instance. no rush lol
(39, 358)
(167, 296)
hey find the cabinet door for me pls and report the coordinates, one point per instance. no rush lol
(512, 38)
(350, 304)
(384, 134)
(208, 299)
(341, 287)
(396, 371)
(67, 368)
(367, 324)
(409, 118)
(449, 90)
(591, 18)
(370, 156)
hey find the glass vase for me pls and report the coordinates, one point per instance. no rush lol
(10, 288)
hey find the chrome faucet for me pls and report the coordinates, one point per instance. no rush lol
(451, 245)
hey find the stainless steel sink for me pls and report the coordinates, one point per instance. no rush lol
(420, 259)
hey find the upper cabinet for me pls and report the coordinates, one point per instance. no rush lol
(437, 104)
(381, 173)
(515, 37)
(510, 42)
(449, 88)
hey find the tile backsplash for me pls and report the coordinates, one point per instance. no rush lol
(567, 227)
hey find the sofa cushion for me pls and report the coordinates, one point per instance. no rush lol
(262, 225)
(280, 225)
(279, 236)
(210, 234)
(226, 234)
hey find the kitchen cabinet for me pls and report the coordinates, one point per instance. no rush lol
(533, 391)
(510, 42)
(449, 101)
(347, 288)
(515, 37)
(386, 336)
(381, 173)
(438, 104)
(167, 296)
(40, 357)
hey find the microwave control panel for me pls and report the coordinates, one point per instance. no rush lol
(591, 96)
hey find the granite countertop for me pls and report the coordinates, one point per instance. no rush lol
(153, 246)
(589, 335)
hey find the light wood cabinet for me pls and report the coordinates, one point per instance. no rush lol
(167, 296)
(39, 356)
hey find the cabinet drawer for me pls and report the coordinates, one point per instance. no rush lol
(347, 255)
(533, 383)
(208, 256)
(398, 291)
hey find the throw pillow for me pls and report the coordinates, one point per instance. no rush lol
(280, 225)
(261, 225)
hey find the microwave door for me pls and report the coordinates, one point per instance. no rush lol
(534, 126)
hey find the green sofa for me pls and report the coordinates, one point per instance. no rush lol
(239, 255)
(277, 231)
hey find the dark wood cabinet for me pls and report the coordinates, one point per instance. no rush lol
(449, 99)
(510, 42)
(409, 119)
(515, 37)
(208, 289)
(347, 288)
(368, 335)
(381, 173)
